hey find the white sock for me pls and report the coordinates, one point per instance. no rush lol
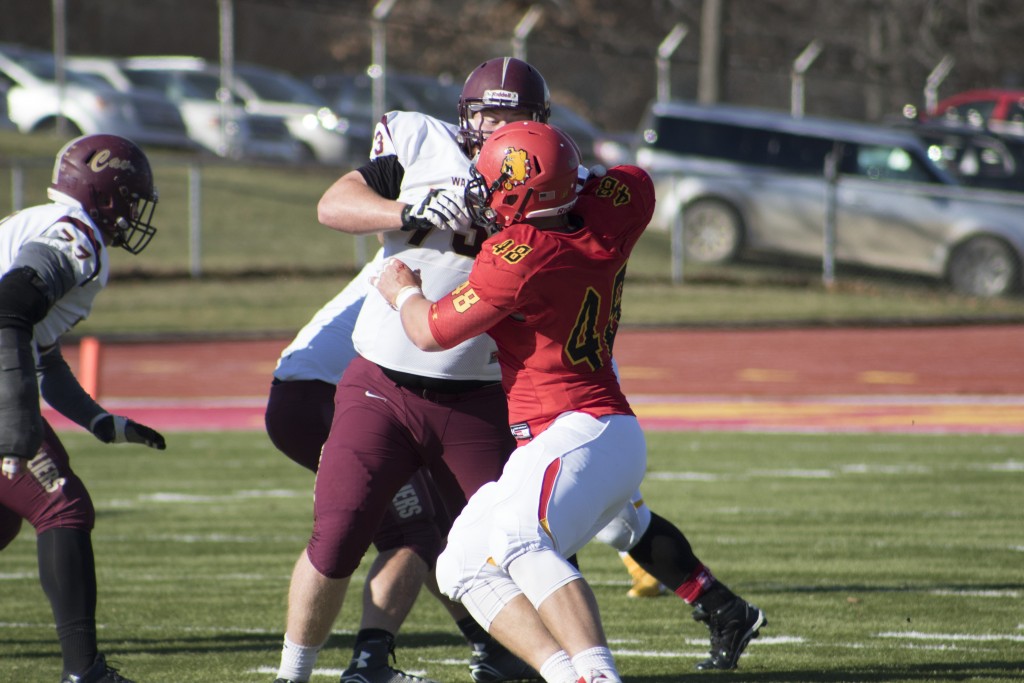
(297, 661)
(558, 669)
(596, 659)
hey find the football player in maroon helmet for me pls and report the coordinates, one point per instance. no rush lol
(54, 261)
(501, 83)
(110, 177)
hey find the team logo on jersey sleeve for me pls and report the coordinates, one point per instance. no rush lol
(516, 168)
(521, 431)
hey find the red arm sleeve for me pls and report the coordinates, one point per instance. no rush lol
(460, 316)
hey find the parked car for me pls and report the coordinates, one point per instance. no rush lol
(999, 110)
(34, 103)
(753, 181)
(197, 93)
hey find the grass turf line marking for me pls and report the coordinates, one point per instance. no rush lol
(975, 638)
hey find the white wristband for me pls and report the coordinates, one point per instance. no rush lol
(403, 295)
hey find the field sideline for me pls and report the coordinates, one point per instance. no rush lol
(920, 380)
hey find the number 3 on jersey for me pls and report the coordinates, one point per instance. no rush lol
(586, 342)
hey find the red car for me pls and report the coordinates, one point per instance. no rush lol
(999, 110)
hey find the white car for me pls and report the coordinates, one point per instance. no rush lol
(34, 102)
(305, 111)
(242, 135)
(265, 92)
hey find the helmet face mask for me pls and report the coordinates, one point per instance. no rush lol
(524, 171)
(500, 83)
(110, 177)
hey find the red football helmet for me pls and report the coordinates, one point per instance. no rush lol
(503, 82)
(110, 177)
(525, 169)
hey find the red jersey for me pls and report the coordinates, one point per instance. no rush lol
(557, 298)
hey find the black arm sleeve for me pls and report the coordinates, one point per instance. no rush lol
(24, 299)
(53, 267)
(384, 174)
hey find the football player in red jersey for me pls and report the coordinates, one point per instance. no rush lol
(412, 155)
(397, 409)
(547, 287)
(54, 261)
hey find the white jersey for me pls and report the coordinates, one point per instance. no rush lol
(323, 347)
(81, 242)
(431, 159)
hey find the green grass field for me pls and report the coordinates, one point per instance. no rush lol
(877, 558)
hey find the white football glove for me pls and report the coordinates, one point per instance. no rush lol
(12, 466)
(441, 209)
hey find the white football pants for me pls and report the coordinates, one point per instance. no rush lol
(555, 493)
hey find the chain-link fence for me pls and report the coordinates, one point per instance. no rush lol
(219, 218)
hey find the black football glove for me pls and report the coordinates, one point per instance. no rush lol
(118, 429)
(441, 209)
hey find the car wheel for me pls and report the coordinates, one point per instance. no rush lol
(985, 267)
(71, 130)
(712, 231)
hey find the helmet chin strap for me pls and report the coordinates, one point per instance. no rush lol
(518, 217)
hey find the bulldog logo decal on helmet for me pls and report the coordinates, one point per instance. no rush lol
(515, 169)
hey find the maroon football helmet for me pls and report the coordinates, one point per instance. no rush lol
(111, 178)
(502, 82)
(525, 170)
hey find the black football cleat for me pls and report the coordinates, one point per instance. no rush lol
(732, 627)
(99, 672)
(372, 664)
(491, 662)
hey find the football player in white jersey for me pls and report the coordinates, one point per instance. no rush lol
(54, 261)
(298, 419)
(398, 409)
(412, 193)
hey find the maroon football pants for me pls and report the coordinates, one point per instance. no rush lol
(48, 494)
(298, 420)
(381, 435)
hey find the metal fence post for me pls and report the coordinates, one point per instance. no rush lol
(668, 46)
(523, 29)
(678, 248)
(828, 254)
(195, 226)
(800, 66)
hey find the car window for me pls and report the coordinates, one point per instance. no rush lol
(885, 162)
(44, 68)
(144, 78)
(275, 88)
(199, 86)
(797, 153)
